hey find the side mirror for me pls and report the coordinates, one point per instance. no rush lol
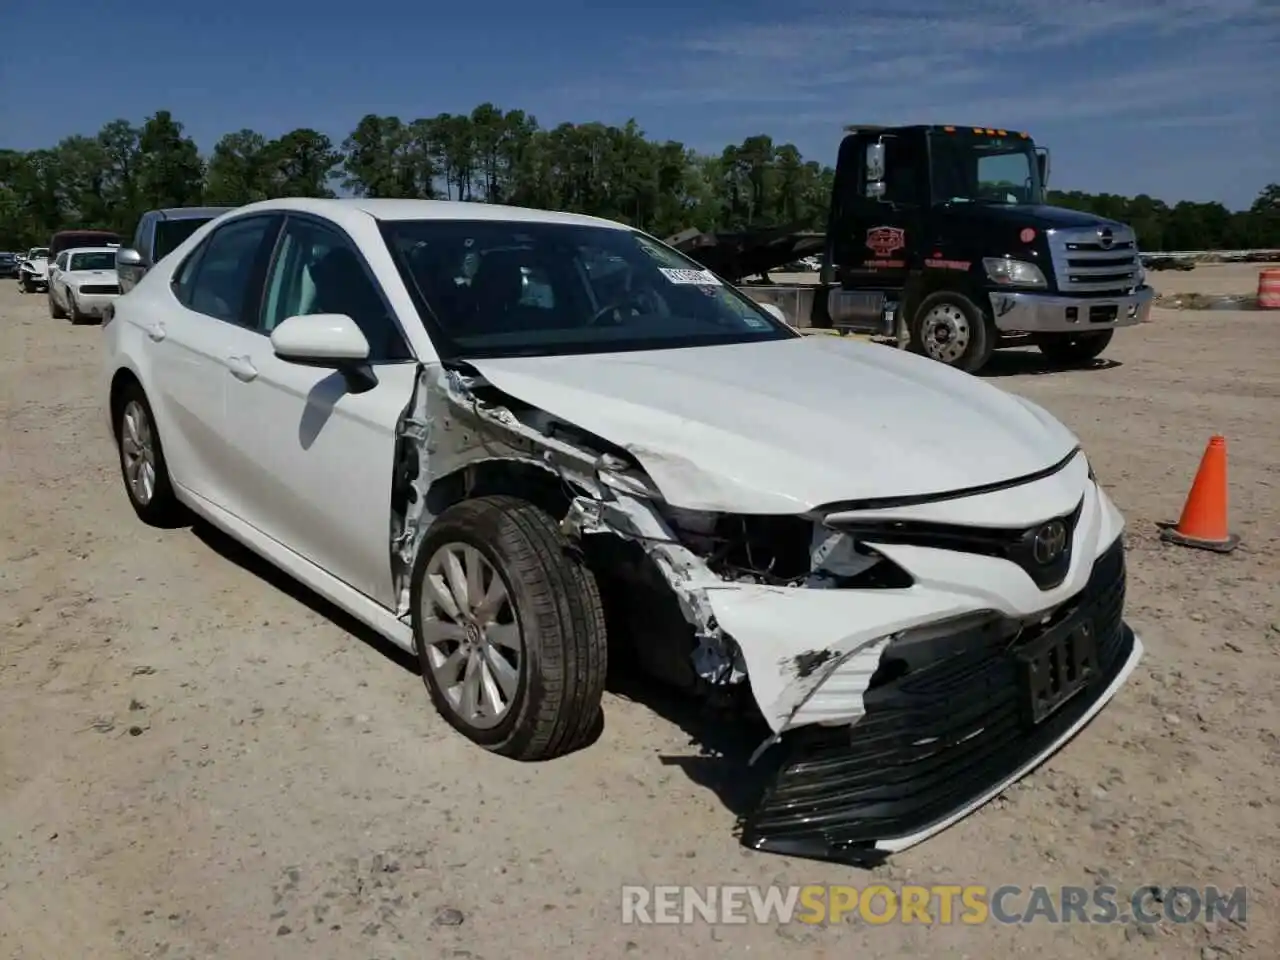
(775, 311)
(875, 169)
(128, 257)
(326, 340)
(321, 340)
(1042, 160)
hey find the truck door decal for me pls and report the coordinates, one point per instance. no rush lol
(882, 241)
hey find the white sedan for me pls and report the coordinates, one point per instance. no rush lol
(524, 444)
(82, 283)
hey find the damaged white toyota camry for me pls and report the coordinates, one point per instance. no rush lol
(514, 442)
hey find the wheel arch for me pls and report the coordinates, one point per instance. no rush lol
(510, 476)
(121, 380)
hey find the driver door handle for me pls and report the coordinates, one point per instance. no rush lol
(156, 331)
(242, 368)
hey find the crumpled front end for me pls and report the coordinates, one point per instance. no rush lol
(911, 658)
(943, 735)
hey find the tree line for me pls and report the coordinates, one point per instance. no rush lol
(498, 156)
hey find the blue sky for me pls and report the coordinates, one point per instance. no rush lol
(1169, 97)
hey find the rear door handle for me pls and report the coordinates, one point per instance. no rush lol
(242, 368)
(156, 331)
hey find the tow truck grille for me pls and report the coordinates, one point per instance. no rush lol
(1085, 263)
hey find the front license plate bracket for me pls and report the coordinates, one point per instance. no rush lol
(1053, 668)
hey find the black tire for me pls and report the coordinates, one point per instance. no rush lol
(55, 311)
(957, 317)
(163, 509)
(555, 603)
(1074, 349)
(24, 286)
(74, 309)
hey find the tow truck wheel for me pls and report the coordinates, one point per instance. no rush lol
(1073, 349)
(950, 328)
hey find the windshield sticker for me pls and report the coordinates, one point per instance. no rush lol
(755, 322)
(693, 278)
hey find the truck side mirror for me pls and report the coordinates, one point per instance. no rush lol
(875, 170)
(1042, 160)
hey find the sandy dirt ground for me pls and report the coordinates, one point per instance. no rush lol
(198, 759)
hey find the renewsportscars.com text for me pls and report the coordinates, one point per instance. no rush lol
(938, 904)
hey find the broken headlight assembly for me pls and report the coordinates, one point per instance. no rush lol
(781, 551)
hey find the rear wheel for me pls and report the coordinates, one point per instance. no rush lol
(950, 328)
(1073, 349)
(142, 463)
(510, 630)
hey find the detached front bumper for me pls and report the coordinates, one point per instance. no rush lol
(1020, 312)
(939, 742)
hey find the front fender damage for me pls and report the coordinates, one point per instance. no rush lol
(782, 637)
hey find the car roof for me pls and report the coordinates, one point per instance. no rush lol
(190, 213)
(392, 210)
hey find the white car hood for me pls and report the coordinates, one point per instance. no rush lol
(40, 267)
(785, 426)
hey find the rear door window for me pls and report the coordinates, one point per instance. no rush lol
(224, 279)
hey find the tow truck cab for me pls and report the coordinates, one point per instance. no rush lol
(940, 236)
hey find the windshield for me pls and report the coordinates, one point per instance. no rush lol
(35, 253)
(491, 288)
(171, 233)
(105, 260)
(966, 168)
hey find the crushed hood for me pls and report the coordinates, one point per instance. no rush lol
(785, 426)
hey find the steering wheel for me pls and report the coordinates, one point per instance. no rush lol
(599, 315)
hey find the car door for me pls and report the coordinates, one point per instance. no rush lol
(56, 269)
(211, 296)
(313, 459)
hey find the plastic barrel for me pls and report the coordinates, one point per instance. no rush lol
(1269, 289)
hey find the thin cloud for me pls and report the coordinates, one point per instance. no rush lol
(1026, 58)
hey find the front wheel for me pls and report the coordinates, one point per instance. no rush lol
(25, 286)
(952, 329)
(55, 311)
(509, 628)
(1073, 349)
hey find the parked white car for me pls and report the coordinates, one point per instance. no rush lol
(517, 466)
(83, 283)
(33, 270)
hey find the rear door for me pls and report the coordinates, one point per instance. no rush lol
(213, 295)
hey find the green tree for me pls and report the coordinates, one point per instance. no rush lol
(495, 155)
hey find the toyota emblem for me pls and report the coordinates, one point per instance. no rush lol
(1049, 543)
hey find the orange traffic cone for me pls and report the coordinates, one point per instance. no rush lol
(1204, 517)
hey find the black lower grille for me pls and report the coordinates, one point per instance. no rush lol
(100, 288)
(932, 741)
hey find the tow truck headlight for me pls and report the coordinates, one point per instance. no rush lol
(1013, 273)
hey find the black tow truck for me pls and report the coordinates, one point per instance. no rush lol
(939, 238)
